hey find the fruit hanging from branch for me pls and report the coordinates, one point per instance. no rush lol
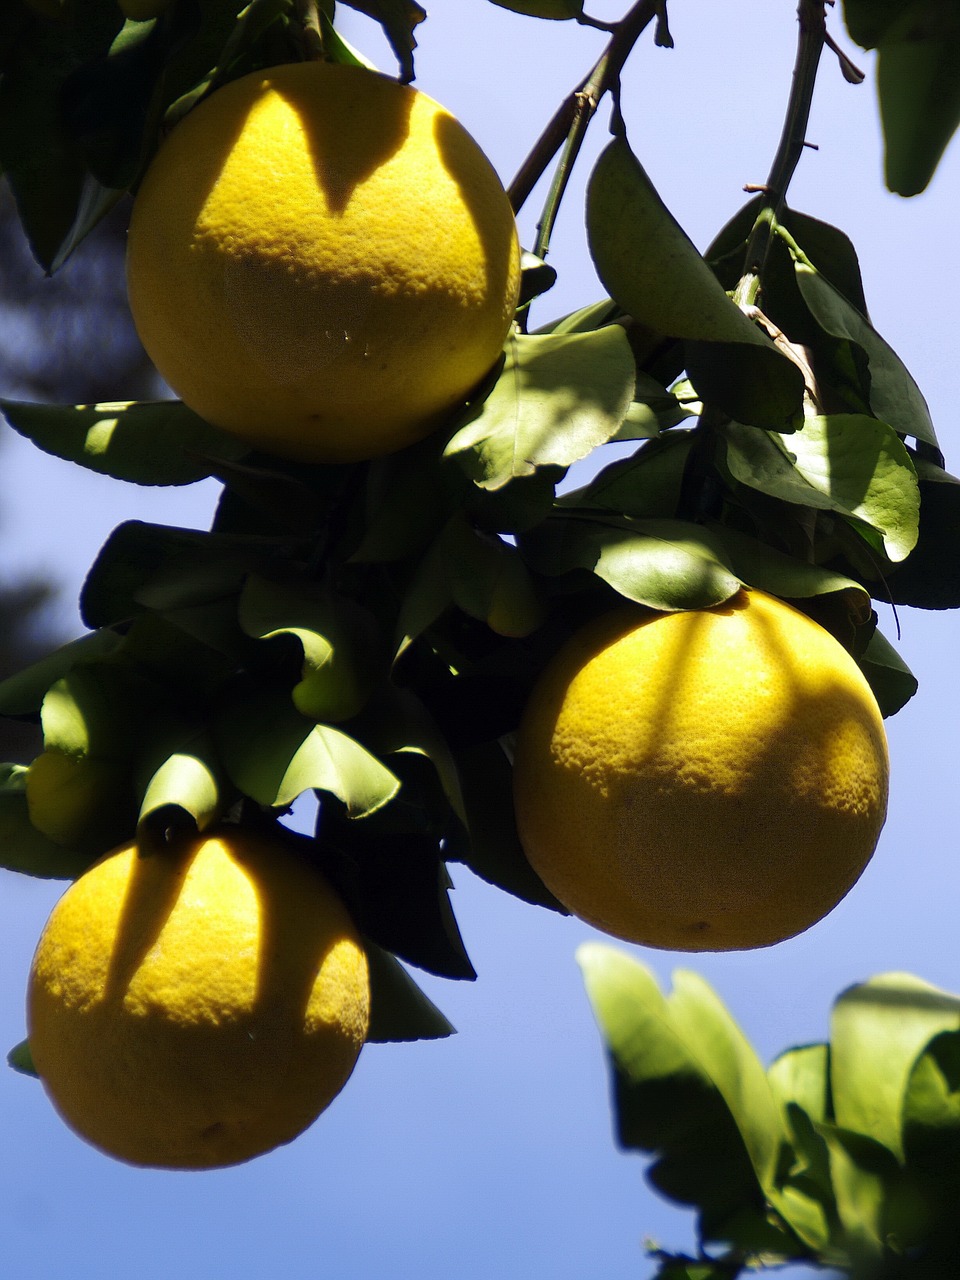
(323, 262)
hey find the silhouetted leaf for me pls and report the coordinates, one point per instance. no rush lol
(892, 681)
(399, 1010)
(23, 693)
(21, 1059)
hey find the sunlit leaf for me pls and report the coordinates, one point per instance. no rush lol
(557, 398)
(878, 1030)
(164, 443)
(848, 463)
(273, 754)
(664, 564)
(185, 787)
(669, 1092)
(860, 1171)
(894, 396)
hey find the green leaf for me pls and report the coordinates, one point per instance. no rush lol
(931, 1127)
(493, 850)
(918, 84)
(557, 398)
(157, 567)
(40, 158)
(21, 1059)
(273, 754)
(184, 788)
(87, 712)
(930, 576)
(645, 485)
(23, 693)
(892, 681)
(653, 270)
(151, 444)
(687, 1087)
(664, 564)
(860, 1173)
(397, 887)
(800, 1083)
(848, 463)
(878, 1030)
(481, 574)
(894, 396)
(398, 19)
(342, 649)
(720, 1046)
(759, 565)
(399, 1010)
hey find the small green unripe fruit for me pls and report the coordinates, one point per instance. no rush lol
(67, 796)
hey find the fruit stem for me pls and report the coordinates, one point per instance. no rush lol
(568, 126)
(811, 38)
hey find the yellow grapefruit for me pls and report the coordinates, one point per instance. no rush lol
(322, 262)
(195, 1006)
(707, 780)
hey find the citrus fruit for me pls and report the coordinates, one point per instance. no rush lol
(707, 780)
(197, 1005)
(322, 261)
(67, 795)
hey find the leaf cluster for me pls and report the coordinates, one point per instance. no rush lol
(369, 633)
(844, 1154)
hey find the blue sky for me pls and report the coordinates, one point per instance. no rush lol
(491, 1154)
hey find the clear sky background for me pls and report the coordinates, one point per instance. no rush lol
(490, 1156)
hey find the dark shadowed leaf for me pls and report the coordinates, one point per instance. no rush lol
(653, 270)
(894, 396)
(399, 1010)
(918, 83)
(398, 19)
(21, 1059)
(23, 693)
(892, 681)
(493, 850)
(555, 9)
(480, 574)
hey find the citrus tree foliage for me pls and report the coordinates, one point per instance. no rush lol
(842, 1154)
(369, 632)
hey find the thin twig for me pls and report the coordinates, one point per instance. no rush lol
(570, 120)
